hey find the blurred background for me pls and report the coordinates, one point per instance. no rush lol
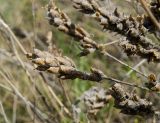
(28, 21)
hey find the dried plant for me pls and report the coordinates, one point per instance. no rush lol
(63, 23)
(134, 41)
(64, 68)
(51, 72)
(131, 103)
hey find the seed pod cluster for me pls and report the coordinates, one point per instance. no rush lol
(46, 61)
(60, 20)
(136, 42)
(152, 54)
(62, 66)
(130, 103)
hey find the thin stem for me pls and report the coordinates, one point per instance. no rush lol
(110, 43)
(65, 92)
(125, 83)
(5, 87)
(55, 105)
(3, 113)
(55, 96)
(109, 55)
(14, 110)
(34, 24)
(136, 66)
(58, 101)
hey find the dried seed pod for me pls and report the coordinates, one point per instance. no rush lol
(131, 104)
(54, 70)
(152, 83)
(152, 78)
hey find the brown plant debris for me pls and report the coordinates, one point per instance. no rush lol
(62, 66)
(135, 41)
(130, 103)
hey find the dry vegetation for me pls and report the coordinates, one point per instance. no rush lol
(80, 61)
